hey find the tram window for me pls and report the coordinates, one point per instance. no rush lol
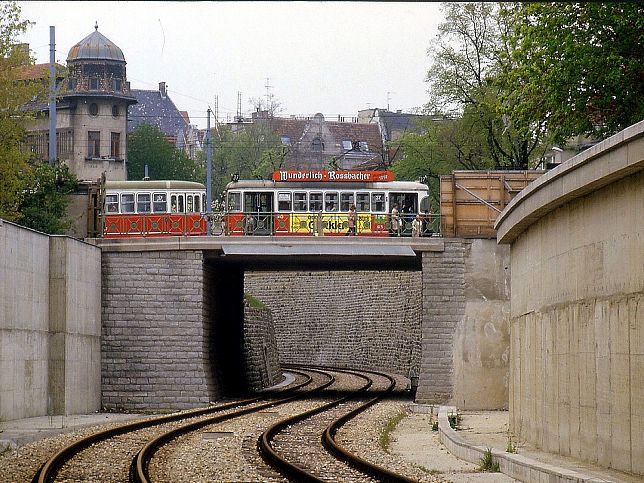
(197, 203)
(159, 204)
(283, 201)
(127, 203)
(378, 202)
(331, 201)
(363, 202)
(143, 203)
(315, 201)
(346, 200)
(234, 202)
(299, 200)
(190, 204)
(112, 203)
(176, 203)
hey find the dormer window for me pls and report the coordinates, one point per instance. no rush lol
(286, 141)
(73, 82)
(363, 146)
(93, 83)
(346, 145)
(317, 145)
(117, 85)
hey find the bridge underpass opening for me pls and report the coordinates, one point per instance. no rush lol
(361, 311)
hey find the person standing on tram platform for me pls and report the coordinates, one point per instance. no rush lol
(352, 220)
(395, 220)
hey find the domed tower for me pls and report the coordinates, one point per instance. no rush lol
(98, 95)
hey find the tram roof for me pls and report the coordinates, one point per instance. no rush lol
(154, 185)
(346, 185)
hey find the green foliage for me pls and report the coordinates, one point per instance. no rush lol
(147, 145)
(44, 205)
(253, 302)
(454, 420)
(470, 54)
(579, 67)
(14, 95)
(487, 462)
(385, 437)
(253, 153)
(435, 426)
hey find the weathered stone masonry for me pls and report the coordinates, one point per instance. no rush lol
(443, 307)
(153, 337)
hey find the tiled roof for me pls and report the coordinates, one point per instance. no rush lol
(154, 109)
(37, 71)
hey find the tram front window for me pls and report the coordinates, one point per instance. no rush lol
(234, 202)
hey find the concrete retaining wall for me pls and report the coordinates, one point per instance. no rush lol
(577, 310)
(49, 324)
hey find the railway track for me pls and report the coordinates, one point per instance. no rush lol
(300, 446)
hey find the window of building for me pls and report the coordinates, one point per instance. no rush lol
(331, 201)
(115, 145)
(346, 200)
(127, 203)
(93, 84)
(363, 146)
(317, 145)
(159, 203)
(143, 203)
(362, 202)
(65, 142)
(284, 201)
(73, 82)
(286, 141)
(299, 199)
(117, 84)
(346, 145)
(93, 144)
(115, 110)
(93, 109)
(112, 203)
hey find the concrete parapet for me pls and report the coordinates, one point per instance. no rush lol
(577, 323)
(49, 324)
(514, 465)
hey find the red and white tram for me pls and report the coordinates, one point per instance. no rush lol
(290, 203)
(154, 208)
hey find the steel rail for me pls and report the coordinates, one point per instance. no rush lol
(328, 439)
(48, 470)
(140, 462)
(277, 460)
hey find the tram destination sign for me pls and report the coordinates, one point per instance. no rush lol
(316, 175)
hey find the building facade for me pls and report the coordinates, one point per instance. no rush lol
(91, 112)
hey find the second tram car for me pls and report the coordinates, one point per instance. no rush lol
(290, 203)
(154, 209)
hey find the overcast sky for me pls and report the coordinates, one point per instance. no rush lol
(329, 57)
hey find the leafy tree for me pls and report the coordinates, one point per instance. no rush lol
(14, 95)
(579, 66)
(470, 54)
(439, 147)
(44, 207)
(252, 153)
(147, 145)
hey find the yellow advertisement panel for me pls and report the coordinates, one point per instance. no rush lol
(303, 223)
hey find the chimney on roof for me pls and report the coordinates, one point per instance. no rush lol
(162, 90)
(399, 111)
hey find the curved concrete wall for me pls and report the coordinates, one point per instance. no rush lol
(577, 305)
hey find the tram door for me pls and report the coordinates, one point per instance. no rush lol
(258, 208)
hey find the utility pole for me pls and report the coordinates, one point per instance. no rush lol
(52, 95)
(208, 176)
